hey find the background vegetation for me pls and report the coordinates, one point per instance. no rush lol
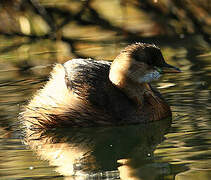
(57, 30)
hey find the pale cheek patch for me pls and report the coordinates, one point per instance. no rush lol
(151, 76)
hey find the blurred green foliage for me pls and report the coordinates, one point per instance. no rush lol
(59, 29)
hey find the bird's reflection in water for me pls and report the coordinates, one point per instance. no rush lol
(124, 152)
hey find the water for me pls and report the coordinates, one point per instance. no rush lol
(155, 151)
(163, 150)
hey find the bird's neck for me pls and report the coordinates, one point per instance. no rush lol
(136, 92)
(133, 90)
(144, 97)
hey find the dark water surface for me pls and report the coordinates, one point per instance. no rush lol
(180, 150)
(164, 150)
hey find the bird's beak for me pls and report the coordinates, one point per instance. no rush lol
(167, 68)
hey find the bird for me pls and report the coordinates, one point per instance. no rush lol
(88, 92)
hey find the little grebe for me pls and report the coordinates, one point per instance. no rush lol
(86, 92)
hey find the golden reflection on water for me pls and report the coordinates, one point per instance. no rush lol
(87, 152)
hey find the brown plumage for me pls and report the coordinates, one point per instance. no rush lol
(86, 92)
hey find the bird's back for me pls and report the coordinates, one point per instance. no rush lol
(89, 81)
